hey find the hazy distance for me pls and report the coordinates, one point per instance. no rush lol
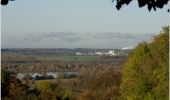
(77, 24)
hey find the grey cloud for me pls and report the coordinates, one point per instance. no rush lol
(71, 39)
(11, 39)
(61, 36)
(76, 37)
(118, 35)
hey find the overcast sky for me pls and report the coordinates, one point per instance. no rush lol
(77, 24)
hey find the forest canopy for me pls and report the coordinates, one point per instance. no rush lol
(145, 74)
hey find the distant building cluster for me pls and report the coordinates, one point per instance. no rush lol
(98, 53)
(47, 75)
(121, 52)
(37, 76)
(66, 51)
(109, 53)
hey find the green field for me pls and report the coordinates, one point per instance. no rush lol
(66, 57)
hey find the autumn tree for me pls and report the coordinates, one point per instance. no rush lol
(5, 77)
(13, 89)
(145, 74)
(104, 86)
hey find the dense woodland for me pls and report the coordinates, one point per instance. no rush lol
(142, 76)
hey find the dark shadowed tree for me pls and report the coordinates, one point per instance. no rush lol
(149, 3)
(5, 2)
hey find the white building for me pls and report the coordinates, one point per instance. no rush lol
(79, 53)
(99, 53)
(127, 48)
(111, 53)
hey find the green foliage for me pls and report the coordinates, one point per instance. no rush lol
(62, 94)
(68, 94)
(50, 91)
(145, 74)
(44, 86)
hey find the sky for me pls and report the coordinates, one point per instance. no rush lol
(78, 24)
